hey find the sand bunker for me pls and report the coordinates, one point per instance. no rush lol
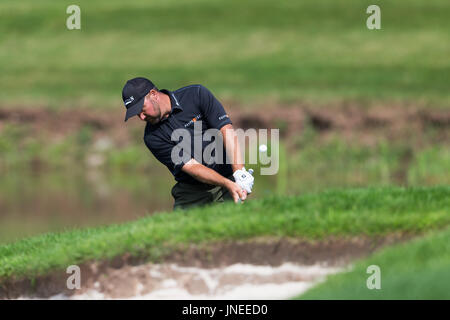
(237, 281)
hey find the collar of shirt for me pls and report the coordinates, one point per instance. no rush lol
(175, 104)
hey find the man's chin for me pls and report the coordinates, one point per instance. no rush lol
(152, 121)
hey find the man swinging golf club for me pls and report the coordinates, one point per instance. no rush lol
(164, 112)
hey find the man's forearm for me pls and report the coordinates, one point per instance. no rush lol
(204, 174)
(209, 176)
(232, 147)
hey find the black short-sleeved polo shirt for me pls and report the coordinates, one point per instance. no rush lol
(189, 105)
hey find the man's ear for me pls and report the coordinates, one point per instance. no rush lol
(154, 94)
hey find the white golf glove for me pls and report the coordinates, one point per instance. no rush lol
(244, 179)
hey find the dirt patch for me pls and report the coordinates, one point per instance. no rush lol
(356, 123)
(333, 251)
(122, 275)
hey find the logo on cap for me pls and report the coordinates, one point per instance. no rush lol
(130, 100)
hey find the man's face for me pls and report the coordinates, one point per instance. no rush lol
(151, 110)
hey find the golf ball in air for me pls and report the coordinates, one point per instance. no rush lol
(262, 148)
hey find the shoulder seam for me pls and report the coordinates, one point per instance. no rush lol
(187, 87)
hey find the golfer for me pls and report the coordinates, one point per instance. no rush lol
(164, 112)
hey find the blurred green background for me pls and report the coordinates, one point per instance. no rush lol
(256, 56)
(243, 50)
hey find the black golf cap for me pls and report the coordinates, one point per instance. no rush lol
(133, 95)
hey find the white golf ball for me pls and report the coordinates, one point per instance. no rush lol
(262, 148)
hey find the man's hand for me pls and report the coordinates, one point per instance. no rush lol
(244, 179)
(236, 191)
(209, 176)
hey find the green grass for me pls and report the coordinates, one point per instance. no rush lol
(60, 172)
(416, 270)
(315, 51)
(340, 163)
(431, 165)
(344, 213)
